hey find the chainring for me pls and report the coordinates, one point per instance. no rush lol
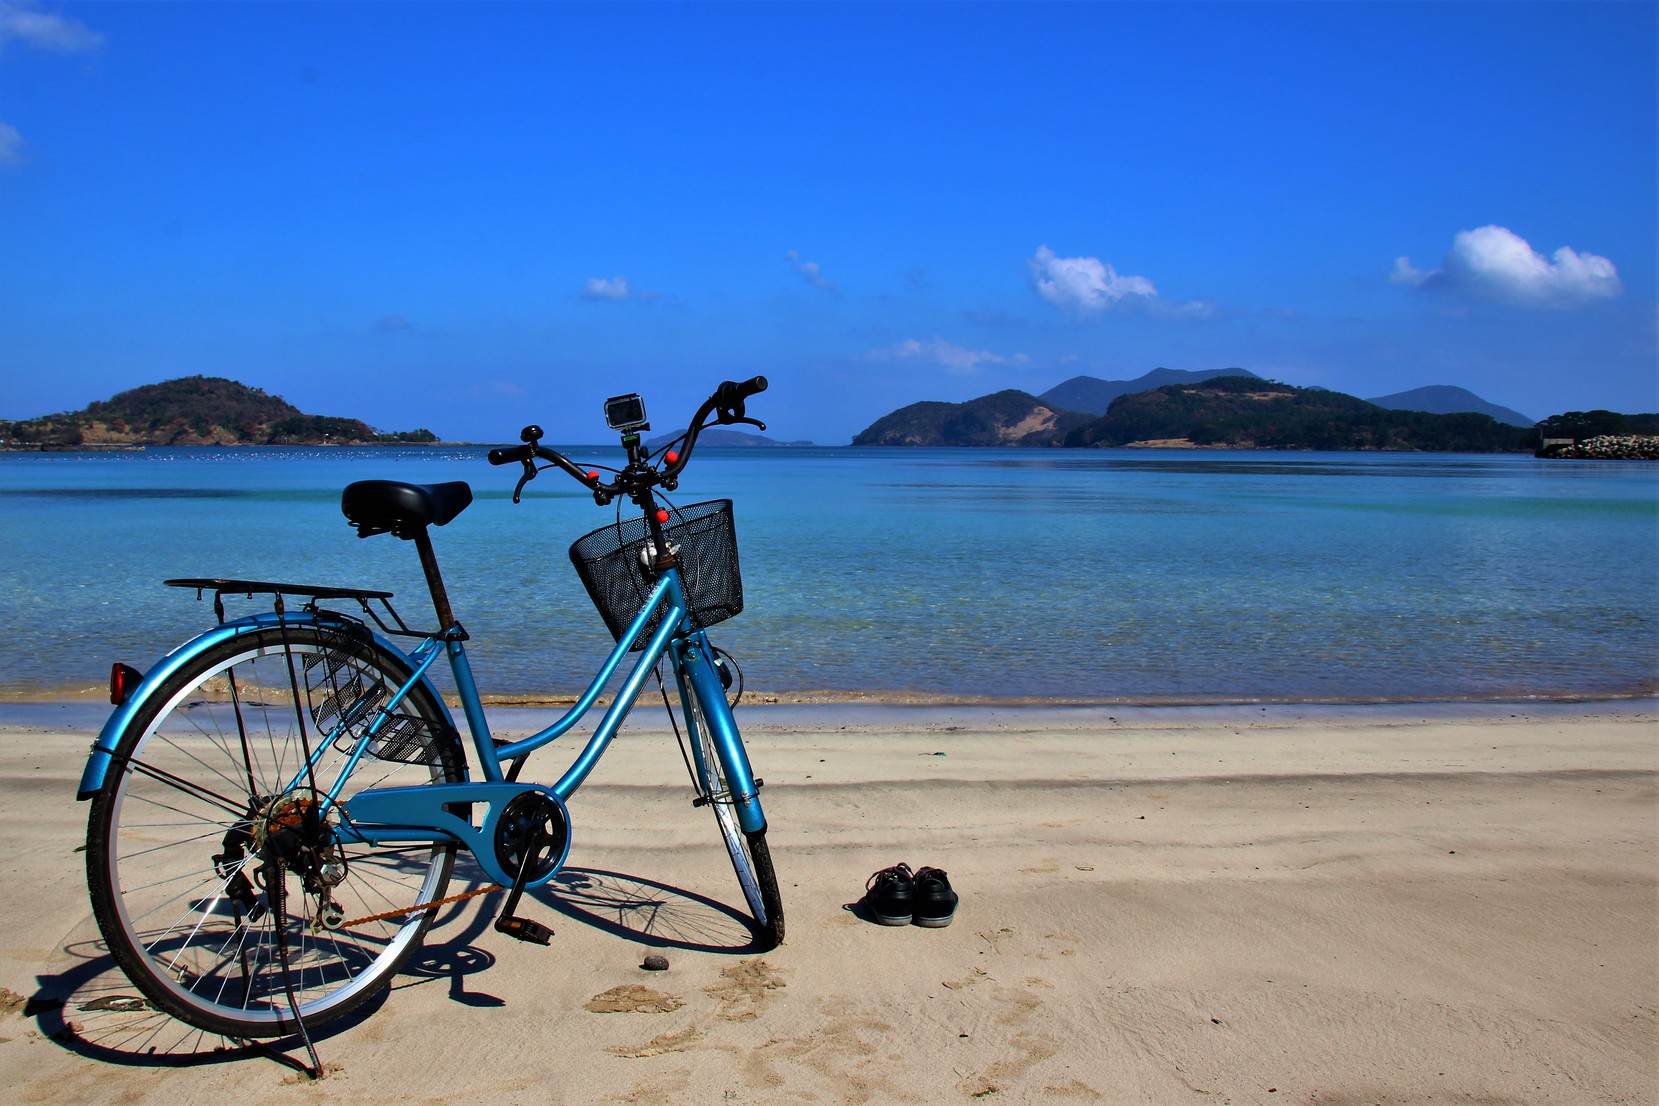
(531, 824)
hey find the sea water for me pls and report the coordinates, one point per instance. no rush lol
(1104, 576)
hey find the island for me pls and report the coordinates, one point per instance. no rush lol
(194, 410)
(1239, 410)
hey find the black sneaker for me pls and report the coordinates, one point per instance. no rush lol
(887, 895)
(935, 901)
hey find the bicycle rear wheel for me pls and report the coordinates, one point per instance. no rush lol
(210, 784)
(751, 858)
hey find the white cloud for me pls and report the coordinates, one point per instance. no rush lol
(600, 288)
(23, 21)
(809, 271)
(1088, 286)
(616, 289)
(1407, 273)
(11, 145)
(940, 352)
(1497, 263)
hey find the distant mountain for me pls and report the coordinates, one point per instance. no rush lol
(195, 410)
(722, 437)
(1004, 418)
(1093, 396)
(1448, 399)
(1251, 413)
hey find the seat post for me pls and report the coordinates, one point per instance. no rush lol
(434, 581)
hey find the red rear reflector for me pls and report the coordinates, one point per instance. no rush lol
(122, 679)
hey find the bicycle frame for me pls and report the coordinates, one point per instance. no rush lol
(276, 807)
(421, 814)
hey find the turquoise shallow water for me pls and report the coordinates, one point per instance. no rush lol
(1097, 575)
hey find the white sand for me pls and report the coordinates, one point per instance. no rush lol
(1166, 906)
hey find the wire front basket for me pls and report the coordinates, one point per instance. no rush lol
(614, 564)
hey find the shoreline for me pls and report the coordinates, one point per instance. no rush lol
(524, 715)
(1647, 689)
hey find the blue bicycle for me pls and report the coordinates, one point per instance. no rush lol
(277, 805)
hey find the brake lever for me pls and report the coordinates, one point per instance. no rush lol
(726, 416)
(529, 475)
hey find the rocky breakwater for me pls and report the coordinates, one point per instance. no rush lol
(1607, 447)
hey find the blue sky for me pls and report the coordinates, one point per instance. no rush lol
(466, 217)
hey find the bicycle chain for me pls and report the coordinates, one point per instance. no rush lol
(423, 906)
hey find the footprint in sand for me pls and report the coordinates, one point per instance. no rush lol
(659, 1045)
(745, 989)
(631, 998)
(1025, 1048)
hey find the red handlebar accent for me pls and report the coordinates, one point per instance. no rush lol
(671, 457)
(593, 475)
(662, 515)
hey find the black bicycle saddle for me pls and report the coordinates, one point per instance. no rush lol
(392, 506)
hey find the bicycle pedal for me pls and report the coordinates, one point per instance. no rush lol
(523, 929)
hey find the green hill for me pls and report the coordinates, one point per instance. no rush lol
(1248, 413)
(1591, 424)
(195, 410)
(1003, 418)
(1092, 395)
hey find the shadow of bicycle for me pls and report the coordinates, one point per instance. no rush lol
(647, 911)
(88, 1007)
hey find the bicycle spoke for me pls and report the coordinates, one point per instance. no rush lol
(174, 925)
(183, 785)
(186, 795)
(133, 854)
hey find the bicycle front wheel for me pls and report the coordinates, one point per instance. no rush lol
(214, 860)
(751, 858)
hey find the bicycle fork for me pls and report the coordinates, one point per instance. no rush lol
(696, 674)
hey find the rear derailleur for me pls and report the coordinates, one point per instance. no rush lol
(287, 833)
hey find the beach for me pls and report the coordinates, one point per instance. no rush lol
(1403, 903)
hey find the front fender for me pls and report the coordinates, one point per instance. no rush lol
(103, 749)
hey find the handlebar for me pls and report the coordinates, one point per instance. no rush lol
(639, 477)
(731, 394)
(726, 404)
(508, 456)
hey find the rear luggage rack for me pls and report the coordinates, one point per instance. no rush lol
(367, 599)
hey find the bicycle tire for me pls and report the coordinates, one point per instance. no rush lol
(750, 855)
(215, 758)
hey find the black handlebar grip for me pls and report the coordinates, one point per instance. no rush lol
(731, 393)
(513, 453)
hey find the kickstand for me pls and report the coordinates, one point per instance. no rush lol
(524, 929)
(279, 879)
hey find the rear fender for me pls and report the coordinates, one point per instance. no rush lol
(103, 750)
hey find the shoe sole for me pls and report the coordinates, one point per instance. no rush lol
(891, 919)
(935, 923)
